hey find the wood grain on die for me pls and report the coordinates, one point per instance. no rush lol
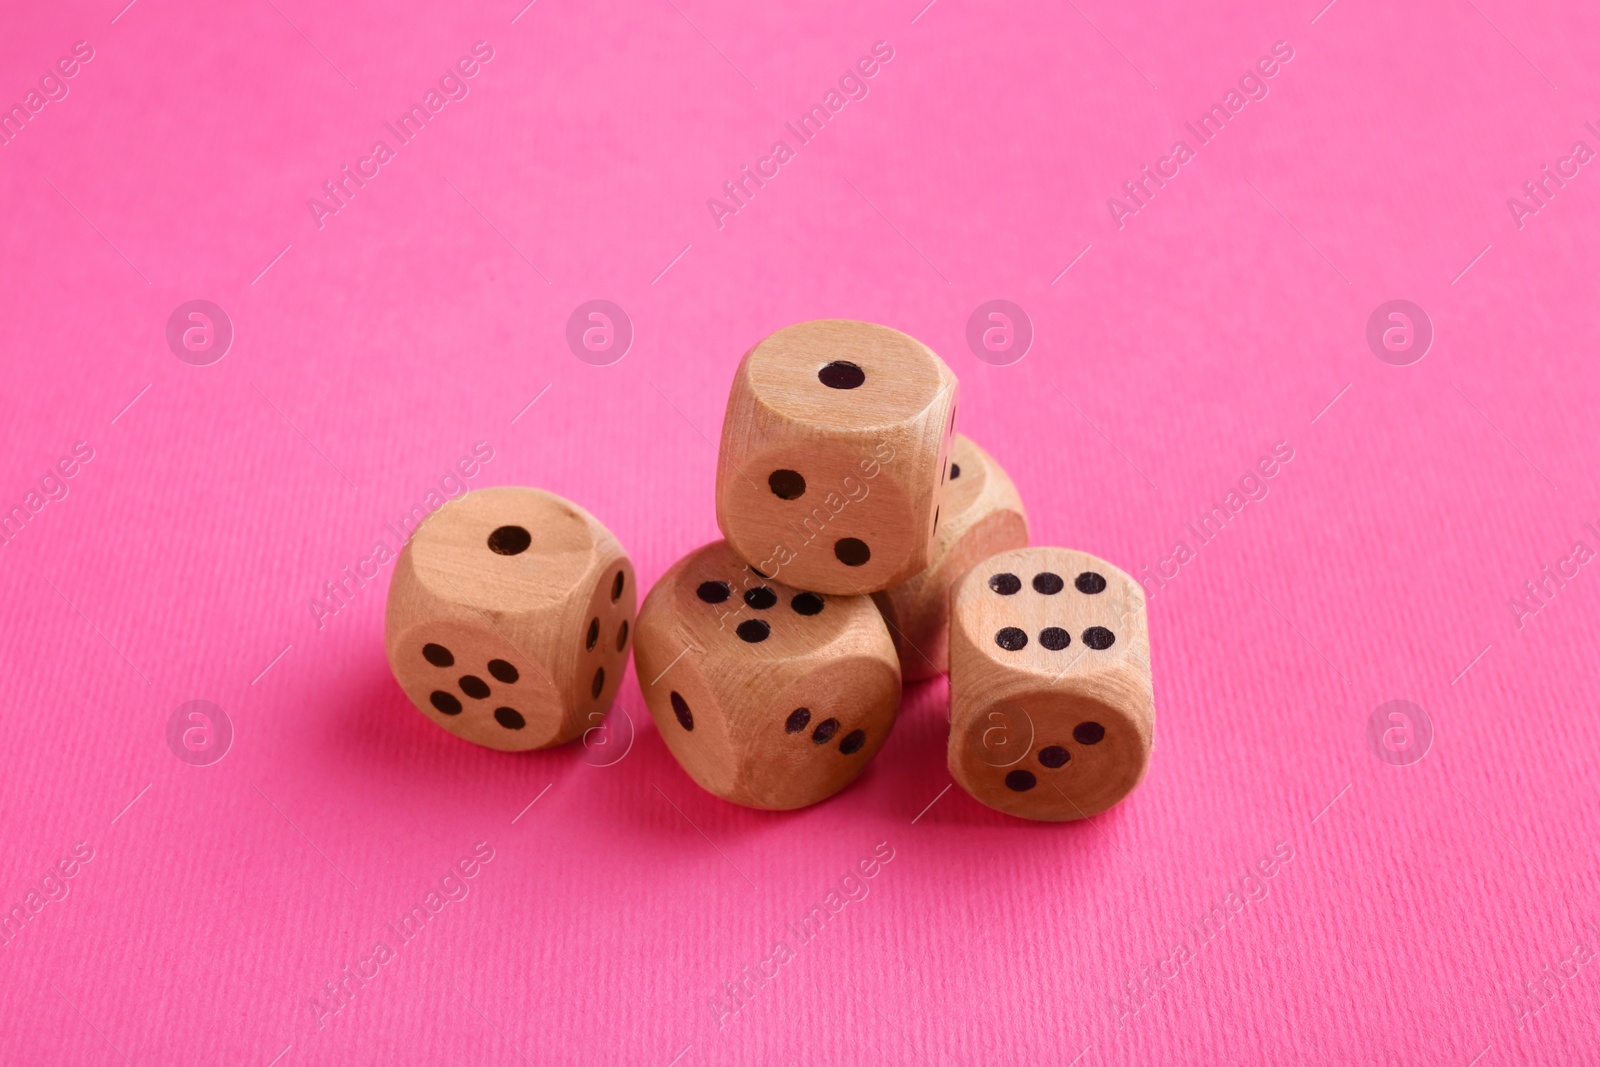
(767, 694)
(834, 441)
(982, 515)
(509, 618)
(1051, 706)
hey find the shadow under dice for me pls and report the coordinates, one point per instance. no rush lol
(835, 441)
(509, 618)
(767, 695)
(1052, 711)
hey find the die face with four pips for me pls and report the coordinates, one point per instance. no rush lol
(982, 515)
(768, 694)
(509, 618)
(833, 446)
(1052, 711)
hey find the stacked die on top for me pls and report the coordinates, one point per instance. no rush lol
(865, 542)
(834, 453)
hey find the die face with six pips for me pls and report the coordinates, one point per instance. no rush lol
(1052, 711)
(509, 618)
(769, 695)
(833, 447)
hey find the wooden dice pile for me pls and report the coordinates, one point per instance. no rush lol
(866, 542)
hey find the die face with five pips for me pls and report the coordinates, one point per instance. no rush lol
(768, 694)
(1052, 712)
(982, 515)
(833, 446)
(509, 618)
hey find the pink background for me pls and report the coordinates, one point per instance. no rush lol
(1223, 317)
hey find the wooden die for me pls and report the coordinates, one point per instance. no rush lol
(983, 515)
(768, 695)
(1051, 707)
(833, 447)
(508, 618)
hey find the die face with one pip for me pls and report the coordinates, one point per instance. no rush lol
(509, 618)
(834, 442)
(982, 515)
(767, 694)
(1051, 705)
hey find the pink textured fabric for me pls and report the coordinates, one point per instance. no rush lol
(1187, 320)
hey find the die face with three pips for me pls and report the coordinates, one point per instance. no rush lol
(833, 446)
(982, 515)
(1052, 712)
(768, 694)
(509, 618)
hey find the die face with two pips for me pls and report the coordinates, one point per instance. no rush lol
(1052, 711)
(983, 515)
(768, 695)
(510, 618)
(833, 446)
